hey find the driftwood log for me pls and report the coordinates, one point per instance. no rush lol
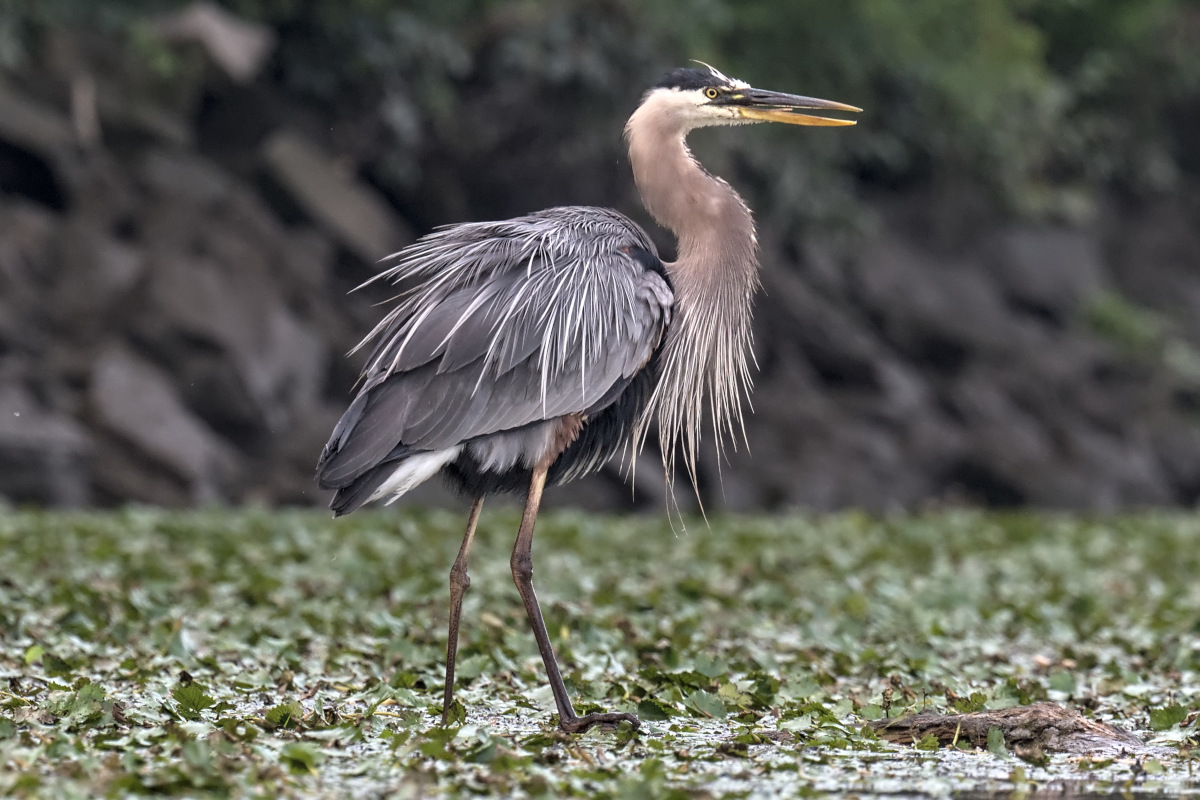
(1029, 731)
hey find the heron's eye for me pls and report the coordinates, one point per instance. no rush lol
(711, 93)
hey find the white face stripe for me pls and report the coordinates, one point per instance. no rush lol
(688, 108)
(733, 82)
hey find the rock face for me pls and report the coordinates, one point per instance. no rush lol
(164, 336)
(43, 457)
(352, 213)
(174, 314)
(925, 376)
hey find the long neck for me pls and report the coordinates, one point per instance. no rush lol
(715, 275)
(713, 226)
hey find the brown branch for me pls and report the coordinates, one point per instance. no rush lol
(1028, 730)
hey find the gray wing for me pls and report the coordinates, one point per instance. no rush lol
(508, 323)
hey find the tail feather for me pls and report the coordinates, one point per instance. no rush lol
(394, 477)
(354, 494)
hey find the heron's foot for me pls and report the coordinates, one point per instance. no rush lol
(606, 720)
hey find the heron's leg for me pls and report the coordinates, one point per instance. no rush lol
(460, 581)
(522, 570)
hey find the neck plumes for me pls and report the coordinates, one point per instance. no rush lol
(707, 348)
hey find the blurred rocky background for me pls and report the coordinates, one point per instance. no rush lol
(987, 292)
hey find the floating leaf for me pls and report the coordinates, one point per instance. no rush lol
(285, 715)
(472, 667)
(198, 754)
(1062, 681)
(995, 742)
(301, 757)
(56, 667)
(405, 679)
(191, 700)
(733, 749)
(1167, 717)
(710, 667)
(654, 710)
(437, 748)
(707, 704)
(928, 742)
(177, 645)
(457, 714)
(346, 591)
(485, 752)
(766, 687)
(977, 701)
(871, 712)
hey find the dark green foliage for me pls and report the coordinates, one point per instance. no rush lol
(1039, 103)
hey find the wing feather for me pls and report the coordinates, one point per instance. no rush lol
(508, 323)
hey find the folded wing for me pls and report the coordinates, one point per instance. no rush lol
(502, 325)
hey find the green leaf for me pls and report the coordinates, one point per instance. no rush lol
(33, 653)
(485, 752)
(405, 679)
(192, 700)
(198, 754)
(472, 667)
(458, 713)
(801, 690)
(995, 744)
(731, 695)
(928, 742)
(301, 757)
(285, 715)
(709, 705)
(968, 705)
(653, 769)
(625, 733)
(437, 748)
(8, 728)
(56, 667)
(90, 693)
(177, 645)
(1062, 681)
(1167, 717)
(871, 712)
(654, 710)
(1122, 322)
(82, 708)
(710, 667)
(765, 689)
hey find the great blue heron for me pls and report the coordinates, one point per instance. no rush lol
(528, 352)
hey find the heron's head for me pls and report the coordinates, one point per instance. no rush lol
(695, 97)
